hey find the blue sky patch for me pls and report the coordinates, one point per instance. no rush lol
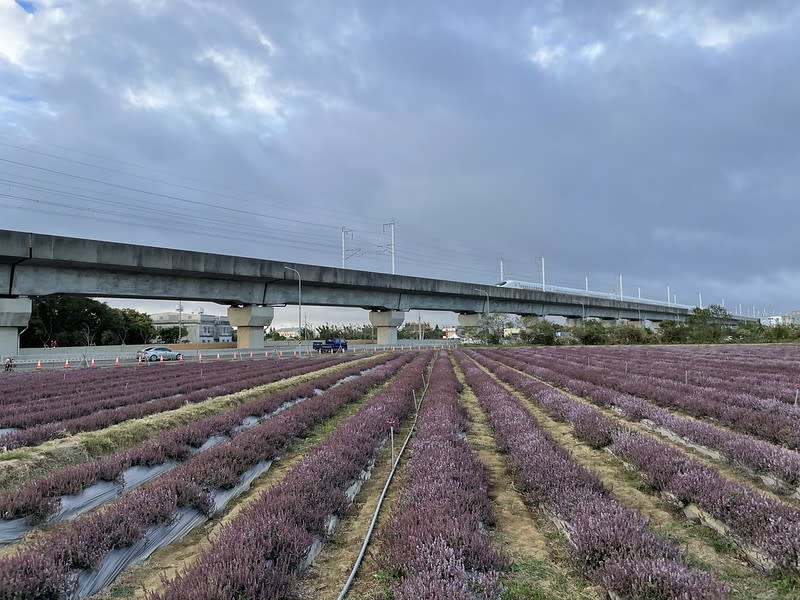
(27, 6)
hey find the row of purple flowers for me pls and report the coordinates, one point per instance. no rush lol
(49, 566)
(260, 553)
(435, 544)
(611, 543)
(755, 519)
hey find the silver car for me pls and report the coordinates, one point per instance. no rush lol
(154, 353)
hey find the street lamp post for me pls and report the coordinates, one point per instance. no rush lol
(299, 301)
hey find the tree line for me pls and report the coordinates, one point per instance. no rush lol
(712, 325)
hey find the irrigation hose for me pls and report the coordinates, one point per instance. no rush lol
(377, 512)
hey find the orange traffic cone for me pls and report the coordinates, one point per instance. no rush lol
(251, 355)
(280, 353)
(199, 358)
(66, 364)
(266, 355)
(161, 359)
(180, 358)
(91, 364)
(116, 362)
(217, 355)
(38, 365)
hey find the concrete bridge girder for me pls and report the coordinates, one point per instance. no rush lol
(250, 322)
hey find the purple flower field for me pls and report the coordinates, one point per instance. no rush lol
(197, 511)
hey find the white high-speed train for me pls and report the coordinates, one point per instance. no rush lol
(528, 285)
(520, 285)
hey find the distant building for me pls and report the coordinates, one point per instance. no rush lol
(775, 320)
(451, 333)
(200, 328)
(287, 332)
(793, 318)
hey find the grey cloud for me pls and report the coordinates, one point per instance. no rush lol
(671, 162)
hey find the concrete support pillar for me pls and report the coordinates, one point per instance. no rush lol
(469, 320)
(14, 315)
(250, 322)
(387, 322)
(574, 322)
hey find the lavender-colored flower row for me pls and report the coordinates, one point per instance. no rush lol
(143, 407)
(739, 404)
(47, 562)
(36, 396)
(433, 544)
(733, 375)
(40, 498)
(258, 555)
(611, 543)
(761, 521)
(774, 426)
(759, 455)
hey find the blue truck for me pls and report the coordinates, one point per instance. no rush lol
(331, 345)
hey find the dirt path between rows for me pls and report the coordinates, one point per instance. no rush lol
(168, 561)
(537, 551)
(326, 577)
(703, 549)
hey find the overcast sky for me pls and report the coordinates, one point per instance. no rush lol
(654, 139)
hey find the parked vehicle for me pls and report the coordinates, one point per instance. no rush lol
(331, 345)
(154, 353)
(142, 354)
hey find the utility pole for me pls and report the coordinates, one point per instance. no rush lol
(179, 308)
(542, 258)
(419, 325)
(391, 224)
(620, 286)
(639, 292)
(586, 281)
(345, 231)
(668, 296)
(502, 279)
(700, 297)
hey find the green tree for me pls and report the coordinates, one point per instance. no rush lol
(274, 335)
(630, 334)
(137, 327)
(171, 335)
(76, 321)
(591, 332)
(672, 332)
(538, 331)
(707, 325)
